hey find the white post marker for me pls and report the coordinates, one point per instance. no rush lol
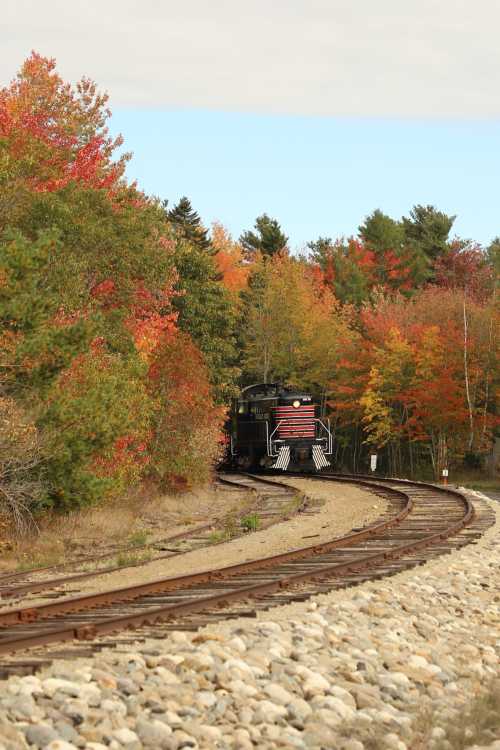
(445, 475)
(373, 461)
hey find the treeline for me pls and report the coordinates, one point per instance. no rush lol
(396, 328)
(126, 326)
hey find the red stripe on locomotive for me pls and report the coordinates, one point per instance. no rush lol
(295, 422)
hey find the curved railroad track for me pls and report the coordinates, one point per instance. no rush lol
(269, 505)
(422, 521)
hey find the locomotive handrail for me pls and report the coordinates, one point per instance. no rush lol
(270, 439)
(330, 436)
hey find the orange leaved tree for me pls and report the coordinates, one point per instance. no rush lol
(186, 424)
(53, 134)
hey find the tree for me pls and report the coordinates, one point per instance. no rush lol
(382, 233)
(87, 283)
(465, 266)
(21, 488)
(53, 134)
(74, 269)
(444, 397)
(186, 424)
(208, 312)
(187, 224)
(97, 420)
(493, 254)
(206, 309)
(229, 259)
(346, 266)
(427, 230)
(268, 239)
(290, 325)
(355, 272)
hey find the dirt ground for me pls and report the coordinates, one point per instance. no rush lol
(340, 508)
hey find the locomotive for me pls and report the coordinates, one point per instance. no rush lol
(278, 427)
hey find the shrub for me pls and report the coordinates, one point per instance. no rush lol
(98, 421)
(21, 488)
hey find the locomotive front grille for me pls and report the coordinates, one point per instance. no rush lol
(295, 422)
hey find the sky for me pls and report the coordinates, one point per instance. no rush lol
(314, 111)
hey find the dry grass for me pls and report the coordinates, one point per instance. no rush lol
(477, 722)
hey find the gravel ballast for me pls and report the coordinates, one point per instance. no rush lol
(388, 664)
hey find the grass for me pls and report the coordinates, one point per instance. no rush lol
(232, 526)
(126, 559)
(42, 557)
(478, 723)
(216, 537)
(292, 507)
(250, 522)
(482, 485)
(133, 520)
(138, 538)
(475, 723)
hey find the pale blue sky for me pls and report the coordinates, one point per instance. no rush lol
(316, 175)
(340, 106)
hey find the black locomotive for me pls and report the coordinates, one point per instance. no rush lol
(277, 427)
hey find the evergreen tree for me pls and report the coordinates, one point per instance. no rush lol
(207, 311)
(344, 268)
(268, 238)
(187, 224)
(428, 230)
(321, 250)
(381, 232)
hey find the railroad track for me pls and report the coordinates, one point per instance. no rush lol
(270, 505)
(422, 521)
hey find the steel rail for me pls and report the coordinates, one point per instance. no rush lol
(162, 585)
(50, 583)
(170, 611)
(6, 578)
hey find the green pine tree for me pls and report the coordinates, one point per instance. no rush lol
(187, 224)
(381, 232)
(493, 255)
(428, 230)
(267, 239)
(207, 312)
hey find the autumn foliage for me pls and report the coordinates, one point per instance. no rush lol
(53, 134)
(229, 257)
(126, 326)
(427, 377)
(88, 282)
(402, 345)
(186, 426)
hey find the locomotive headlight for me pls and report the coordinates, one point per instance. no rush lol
(296, 404)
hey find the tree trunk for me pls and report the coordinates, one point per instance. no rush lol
(466, 374)
(442, 456)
